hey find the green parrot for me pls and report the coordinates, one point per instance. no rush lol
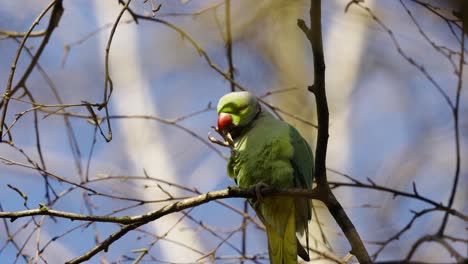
(271, 152)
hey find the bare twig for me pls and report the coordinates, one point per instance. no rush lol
(14, 34)
(455, 114)
(244, 229)
(54, 20)
(108, 84)
(409, 59)
(229, 42)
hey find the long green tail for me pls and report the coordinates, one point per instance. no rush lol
(279, 217)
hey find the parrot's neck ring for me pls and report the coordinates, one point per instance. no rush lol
(259, 110)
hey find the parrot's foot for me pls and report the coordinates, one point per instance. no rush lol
(259, 187)
(228, 141)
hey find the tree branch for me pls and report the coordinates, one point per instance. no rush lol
(230, 192)
(133, 222)
(314, 34)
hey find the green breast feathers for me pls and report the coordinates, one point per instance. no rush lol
(263, 153)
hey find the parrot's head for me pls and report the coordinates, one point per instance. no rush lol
(237, 110)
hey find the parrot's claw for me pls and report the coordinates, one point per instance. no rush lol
(228, 141)
(258, 190)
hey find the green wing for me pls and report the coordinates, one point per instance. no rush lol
(303, 164)
(302, 160)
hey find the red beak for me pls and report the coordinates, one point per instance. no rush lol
(224, 121)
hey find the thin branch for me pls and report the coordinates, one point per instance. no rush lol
(397, 236)
(72, 139)
(54, 20)
(108, 84)
(244, 230)
(373, 186)
(215, 67)
(446, 52)
(81, 40)
(439, 240)
(14, 34)
(203, 10)
(409, 59)
(229, 42)
(455, 114)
